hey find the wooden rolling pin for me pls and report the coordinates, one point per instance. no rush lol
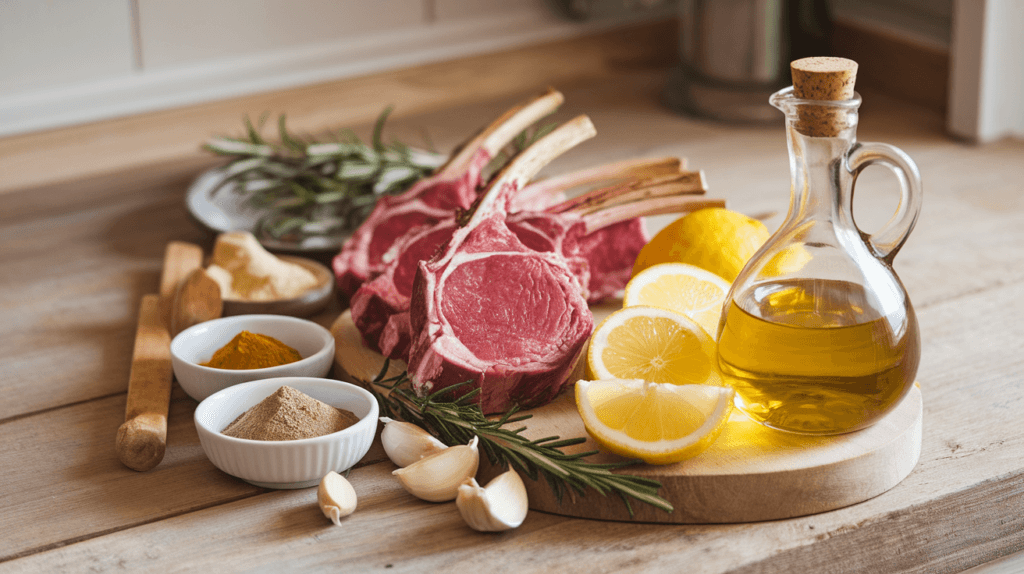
(142, 439)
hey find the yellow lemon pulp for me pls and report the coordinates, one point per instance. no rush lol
(680, 287)
(656, 345)
(716, 239)
(657, 423)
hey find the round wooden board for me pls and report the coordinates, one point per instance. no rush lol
(751, 473)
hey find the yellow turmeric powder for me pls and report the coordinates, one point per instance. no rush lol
(252, 351)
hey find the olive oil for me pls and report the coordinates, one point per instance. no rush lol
(814, 356)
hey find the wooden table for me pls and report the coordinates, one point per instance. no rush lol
(75, 259)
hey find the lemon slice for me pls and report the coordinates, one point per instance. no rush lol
(657, 423)
(655, 345)
(680, 287)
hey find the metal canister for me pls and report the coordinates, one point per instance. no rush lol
(735, 53)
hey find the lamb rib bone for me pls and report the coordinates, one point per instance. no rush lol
(692, 182)
(502, 131)
(452, 187)
(545, 192)
(645, 208)
(524, 166)
(489, 310)
(609, 236)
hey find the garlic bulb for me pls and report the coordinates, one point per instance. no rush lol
(501, 505)
(405, 443)
(336, 497)
(436, 478)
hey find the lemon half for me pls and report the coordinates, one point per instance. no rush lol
(680, 287)
(657, 423)
(654, 345)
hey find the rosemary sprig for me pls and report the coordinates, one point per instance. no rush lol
(317, 187)
(457, 422)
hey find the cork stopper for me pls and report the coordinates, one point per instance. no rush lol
(827, 79)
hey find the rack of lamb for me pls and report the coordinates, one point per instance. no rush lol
(599, 233)
(455, 186)
(489, 310)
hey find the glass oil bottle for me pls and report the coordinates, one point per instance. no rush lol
(818, 335)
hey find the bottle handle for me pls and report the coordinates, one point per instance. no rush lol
(887, 241)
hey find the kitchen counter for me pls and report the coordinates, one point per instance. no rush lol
(77, 257)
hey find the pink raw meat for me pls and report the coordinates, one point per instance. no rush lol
(489, 310)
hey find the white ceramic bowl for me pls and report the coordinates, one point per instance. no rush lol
(287, 463)
(198, 343)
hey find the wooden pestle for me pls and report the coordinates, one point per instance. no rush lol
(180, 260)
(142, 439)
(823, 79)
(197, 300)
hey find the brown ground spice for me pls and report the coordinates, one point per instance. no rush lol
(289, 414)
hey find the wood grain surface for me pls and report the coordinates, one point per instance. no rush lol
(76, 259)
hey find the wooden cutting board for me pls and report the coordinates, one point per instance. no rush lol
(751, 473)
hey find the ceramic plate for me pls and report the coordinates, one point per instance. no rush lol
(227, 210)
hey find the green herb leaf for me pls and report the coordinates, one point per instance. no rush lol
(286, 138)
(317, 187)
(378, 130)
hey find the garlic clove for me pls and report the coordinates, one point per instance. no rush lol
(436, 478)
(336, 497)
(405, 443)
(501, 505)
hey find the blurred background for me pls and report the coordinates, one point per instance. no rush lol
(65, 64)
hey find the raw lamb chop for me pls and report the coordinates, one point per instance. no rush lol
(453, 186)
(601, 255)
(491, 311)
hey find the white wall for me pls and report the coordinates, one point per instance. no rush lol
(70, 61)
(987, 79)
(64, 62)
(48, 44)
(926, 22)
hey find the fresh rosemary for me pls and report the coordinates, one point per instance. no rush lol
(310, 187)
(457, 422)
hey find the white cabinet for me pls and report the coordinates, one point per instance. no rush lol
(175, 33)
(50, 44)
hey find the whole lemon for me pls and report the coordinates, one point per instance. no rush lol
(716, 239)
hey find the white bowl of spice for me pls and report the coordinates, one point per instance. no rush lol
(223, 352)
(287, 432)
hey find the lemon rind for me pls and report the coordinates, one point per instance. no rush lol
(643, 278)
(655, 451)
